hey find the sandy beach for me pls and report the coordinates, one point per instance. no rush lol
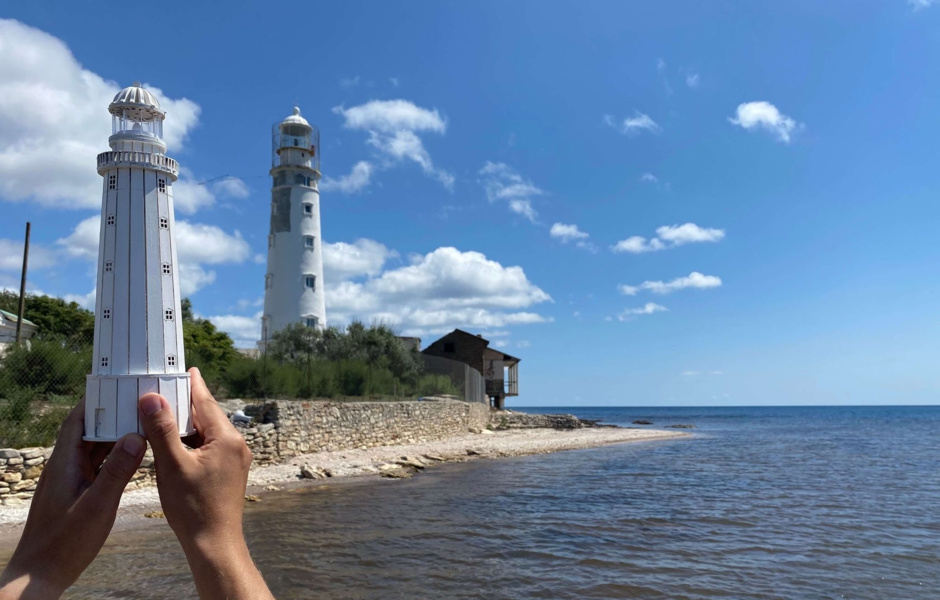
(344, 465)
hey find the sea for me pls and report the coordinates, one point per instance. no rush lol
(795, 502)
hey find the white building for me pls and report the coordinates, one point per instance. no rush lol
(8, 330)
(293, 286)
(138, 333)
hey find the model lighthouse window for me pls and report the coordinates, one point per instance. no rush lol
(138, 339)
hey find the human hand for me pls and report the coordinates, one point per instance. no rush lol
(203, 492)
(72, 511)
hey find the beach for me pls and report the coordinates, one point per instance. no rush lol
(381, 461)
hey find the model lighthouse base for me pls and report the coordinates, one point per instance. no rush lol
(111, 403)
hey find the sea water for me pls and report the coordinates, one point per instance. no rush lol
(759, 503)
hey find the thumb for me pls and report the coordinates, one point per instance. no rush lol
(160, 427)
(117, 470)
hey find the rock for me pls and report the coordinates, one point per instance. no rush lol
(308, 472)
(147, 462)
(642, 422)
(33, 472)
(272, 488)
(487, 432)
(12, 477)
(9, 453)
(474, 430)
(12, 502)
(32, 462)
(29, 453)
(409, 462)
(435, 457)
(16, 460)
(681, 426)
(472, 452)
(155, 514)
(397, 473)
(252, 498)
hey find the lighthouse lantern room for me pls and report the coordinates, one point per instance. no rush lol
(138, 346)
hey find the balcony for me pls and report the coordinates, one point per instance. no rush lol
(159, 162)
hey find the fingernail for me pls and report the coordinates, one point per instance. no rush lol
(150, 405)
(133, 444)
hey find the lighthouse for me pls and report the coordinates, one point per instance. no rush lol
(293, 285)
(138, 346)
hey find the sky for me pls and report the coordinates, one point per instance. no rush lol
(651, 204)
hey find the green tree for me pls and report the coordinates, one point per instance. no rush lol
(55, 319)
(207, 348)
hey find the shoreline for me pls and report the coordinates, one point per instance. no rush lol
(396, 461)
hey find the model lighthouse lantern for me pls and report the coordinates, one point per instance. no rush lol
(138, 333)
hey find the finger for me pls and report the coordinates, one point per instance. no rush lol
(116, 473)
(161, 429)
(69, 442)
(208, 418)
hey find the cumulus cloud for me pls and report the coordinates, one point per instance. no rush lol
(197, 245)
(393, 127)
(669, 236)
(647, 309)
(919, 4)
(503, 184)
(357, 179)
(11, 256)
(694, 280)
(649, 178)
(51, 106)
(437, 292)
(765, 116)
(567, 233)
(364, 257)
(638, 123)
(244, 331)
(231, 187)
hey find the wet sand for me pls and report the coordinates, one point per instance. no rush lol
(348, 466)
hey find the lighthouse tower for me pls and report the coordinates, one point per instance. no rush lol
(138, 333)
(293, 286)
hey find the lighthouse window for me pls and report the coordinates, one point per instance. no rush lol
(104, 361)
(112, 182)
(108, 267)
(308, 241)
(308, 209)
(110, 219)
(311, 282)
(312, 321)
(166, 269)
(106, 313)
(168, 314)
(171, 361)
(161, 185)
(270, 241)
(268, 280)
(164, 223)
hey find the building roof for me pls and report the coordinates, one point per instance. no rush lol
(137, 100)
(12, 317)
(486, 343)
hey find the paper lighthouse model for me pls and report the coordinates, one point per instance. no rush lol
(138, 332)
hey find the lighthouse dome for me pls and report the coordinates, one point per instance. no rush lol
(137, 99)
(295, 119)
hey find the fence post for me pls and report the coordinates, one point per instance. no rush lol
(19, 316)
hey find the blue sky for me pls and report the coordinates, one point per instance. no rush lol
(493, 166)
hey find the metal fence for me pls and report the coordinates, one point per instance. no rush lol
(469, 381)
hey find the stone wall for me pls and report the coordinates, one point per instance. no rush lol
(282, 429)
(515, 420)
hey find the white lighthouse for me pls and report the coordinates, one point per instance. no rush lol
(293, 286)
(138, 333)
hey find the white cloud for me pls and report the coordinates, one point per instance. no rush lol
(567, 233)
(692, 80)
(639, 122)
(357, 179)
(649, 178)
(51, 106)
(342, 261)
(197, 245)
(394, 81)
(694, 280)
(349, 81)
(244, 331)
(502, 183)
(437, 292)
(669, 236)
(393, 127)
(764, 115)
(11, 256)
(647, 309)
(919, 4)
(232, 187)
(188, 195)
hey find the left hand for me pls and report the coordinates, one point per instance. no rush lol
(72, 511)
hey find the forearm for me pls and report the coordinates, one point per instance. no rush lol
(223, 570)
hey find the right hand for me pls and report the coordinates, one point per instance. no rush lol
(202, 490)
(203, 493)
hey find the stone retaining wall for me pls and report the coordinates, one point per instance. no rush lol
(282, 429)
(514, 420)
